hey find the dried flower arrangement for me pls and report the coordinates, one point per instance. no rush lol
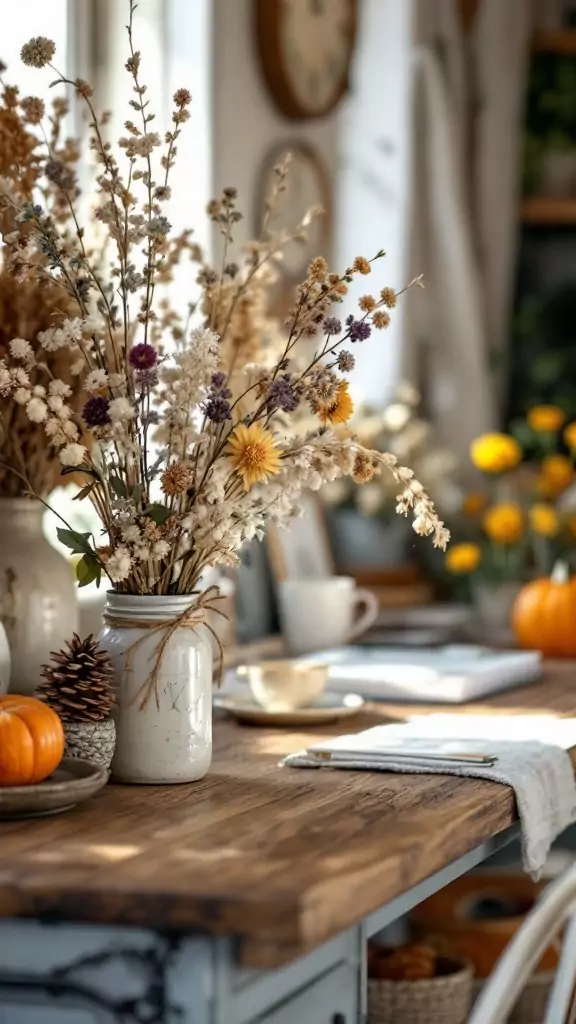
(400, 429)
(31, 303)
(186, 449)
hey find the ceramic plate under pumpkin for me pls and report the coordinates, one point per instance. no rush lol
(71, 783)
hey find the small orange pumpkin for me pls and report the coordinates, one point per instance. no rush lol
(31, 740)
(544, 615)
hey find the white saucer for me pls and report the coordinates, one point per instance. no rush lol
(328, 708)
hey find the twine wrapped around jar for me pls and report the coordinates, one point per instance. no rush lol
(192, 617)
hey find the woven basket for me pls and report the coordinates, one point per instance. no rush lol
(445, 999)
(91, 741)
(530, 1007)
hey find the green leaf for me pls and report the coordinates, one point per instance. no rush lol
(158, 513)
(78, 543)
(79, 469)
(87, 570)
(137, 494)
(118, 486)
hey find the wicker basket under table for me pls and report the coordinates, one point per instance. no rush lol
(444, 999)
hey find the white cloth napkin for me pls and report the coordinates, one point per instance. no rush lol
(530, 752)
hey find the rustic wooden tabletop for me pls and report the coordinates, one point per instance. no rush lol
(281, 859)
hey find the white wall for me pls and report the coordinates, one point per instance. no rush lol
(374, 185)
(364, 145)
(246, 123)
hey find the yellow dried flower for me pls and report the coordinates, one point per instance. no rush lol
(338, 408)
(474, 503)
(569, 436)
(557, 473)
(388, 296)
(367, 303)
(546, 419)
(176, 479)
(462, 558)
(544, 520)
(504, 524)
(381, 319)
(318, 269)
(253, 453)
(361, 265)
(495, 453)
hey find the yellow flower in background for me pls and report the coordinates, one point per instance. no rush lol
(569, 436)
(253, 453)
(495, 453)
(462, 558)
(546, 419)
(544, 520)
(474, 503)
(504, 524)
(339, 408)
(557, 473)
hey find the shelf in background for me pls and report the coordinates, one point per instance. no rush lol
(548, 211)
(562, 42)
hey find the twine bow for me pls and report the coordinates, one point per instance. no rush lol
(195, 615)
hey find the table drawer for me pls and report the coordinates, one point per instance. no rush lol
(333, 999)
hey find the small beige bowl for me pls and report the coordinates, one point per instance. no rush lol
(285, 685)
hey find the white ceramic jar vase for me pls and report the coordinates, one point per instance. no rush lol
(38, 599)
(163, 722)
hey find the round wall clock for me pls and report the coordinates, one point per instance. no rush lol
(307, 185)
(306, 49)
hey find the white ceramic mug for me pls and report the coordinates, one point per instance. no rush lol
(323, 613)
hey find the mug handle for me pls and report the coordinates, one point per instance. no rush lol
(368, 616)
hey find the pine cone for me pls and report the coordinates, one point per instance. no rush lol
(79, 682)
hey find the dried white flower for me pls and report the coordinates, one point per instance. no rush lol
(121, 410)
(60, 388)
(21, 349)
(37, 410)
(22, 396)
(119, 564)
(52, 339)
(130, 533)
(161, 549)
(73, 454)
(96, 380)
(94, 325)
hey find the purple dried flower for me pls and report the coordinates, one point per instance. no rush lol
(96, 412)
(143, 356)
(217, 408)
(218, 380)
(349, 320)
(146, 379)
(283, 395)
(60, 175)
(359, 330)
(332, 325)
(346, 361)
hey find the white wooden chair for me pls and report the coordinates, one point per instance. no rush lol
(556, 906)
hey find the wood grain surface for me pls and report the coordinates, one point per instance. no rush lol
(281, 859)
